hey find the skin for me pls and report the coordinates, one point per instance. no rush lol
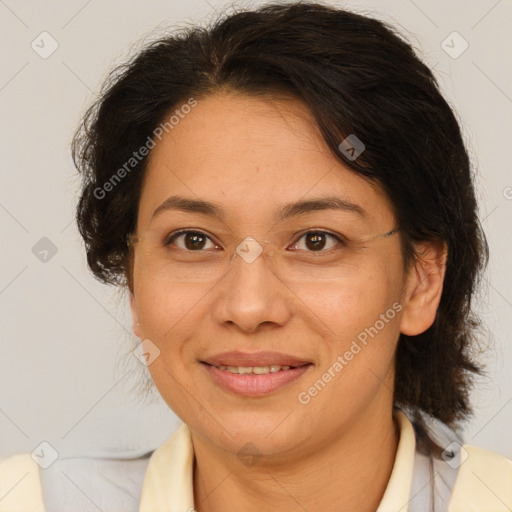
(250, 155)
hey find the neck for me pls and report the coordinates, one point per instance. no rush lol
(351, 471)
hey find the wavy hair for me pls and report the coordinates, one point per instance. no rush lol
(356, 75)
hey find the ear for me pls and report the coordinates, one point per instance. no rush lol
(423, 288)
(135, 316)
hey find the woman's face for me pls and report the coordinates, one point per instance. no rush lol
(329, 305)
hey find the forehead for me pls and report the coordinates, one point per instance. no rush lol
(252, 154)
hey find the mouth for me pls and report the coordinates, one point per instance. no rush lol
(256, 374)
(254, 370)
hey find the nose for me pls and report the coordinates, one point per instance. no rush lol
(250, 295)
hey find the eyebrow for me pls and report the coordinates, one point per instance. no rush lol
(284, 212)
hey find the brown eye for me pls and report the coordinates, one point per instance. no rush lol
(191, 241)
(317, 241)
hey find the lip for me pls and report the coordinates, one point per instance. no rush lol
(236, 358)
(252, 385)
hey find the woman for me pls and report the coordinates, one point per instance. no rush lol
(289, 202)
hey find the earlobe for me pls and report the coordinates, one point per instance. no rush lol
(135, 316)
(424, 288)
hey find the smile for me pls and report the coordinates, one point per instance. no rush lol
(255, 370)
(254, 381)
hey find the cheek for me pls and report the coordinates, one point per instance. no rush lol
(170, 317)
(363, 318)
(166, 307)
(348, 306)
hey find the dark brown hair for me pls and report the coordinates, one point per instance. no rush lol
(357, 76)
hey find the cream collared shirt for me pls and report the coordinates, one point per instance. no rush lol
(482, 482)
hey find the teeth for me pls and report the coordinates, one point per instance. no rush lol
(257, 370)
(260, 370)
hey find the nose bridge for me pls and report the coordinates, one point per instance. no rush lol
(250, 249)
(251, 295)
(251, 262)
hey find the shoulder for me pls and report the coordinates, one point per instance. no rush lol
(20, 485)
(484, 482)
(168, 483)
(74, 484)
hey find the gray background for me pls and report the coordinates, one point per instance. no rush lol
(63, 374)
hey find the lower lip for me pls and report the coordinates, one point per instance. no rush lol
(255, 385)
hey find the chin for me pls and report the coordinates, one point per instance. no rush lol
(267, 433)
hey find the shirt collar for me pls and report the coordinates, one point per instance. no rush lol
(168, 482)
(397, 494)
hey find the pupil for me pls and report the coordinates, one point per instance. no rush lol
(194, 241)
(315, 241)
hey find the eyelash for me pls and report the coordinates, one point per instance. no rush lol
(173, 236)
